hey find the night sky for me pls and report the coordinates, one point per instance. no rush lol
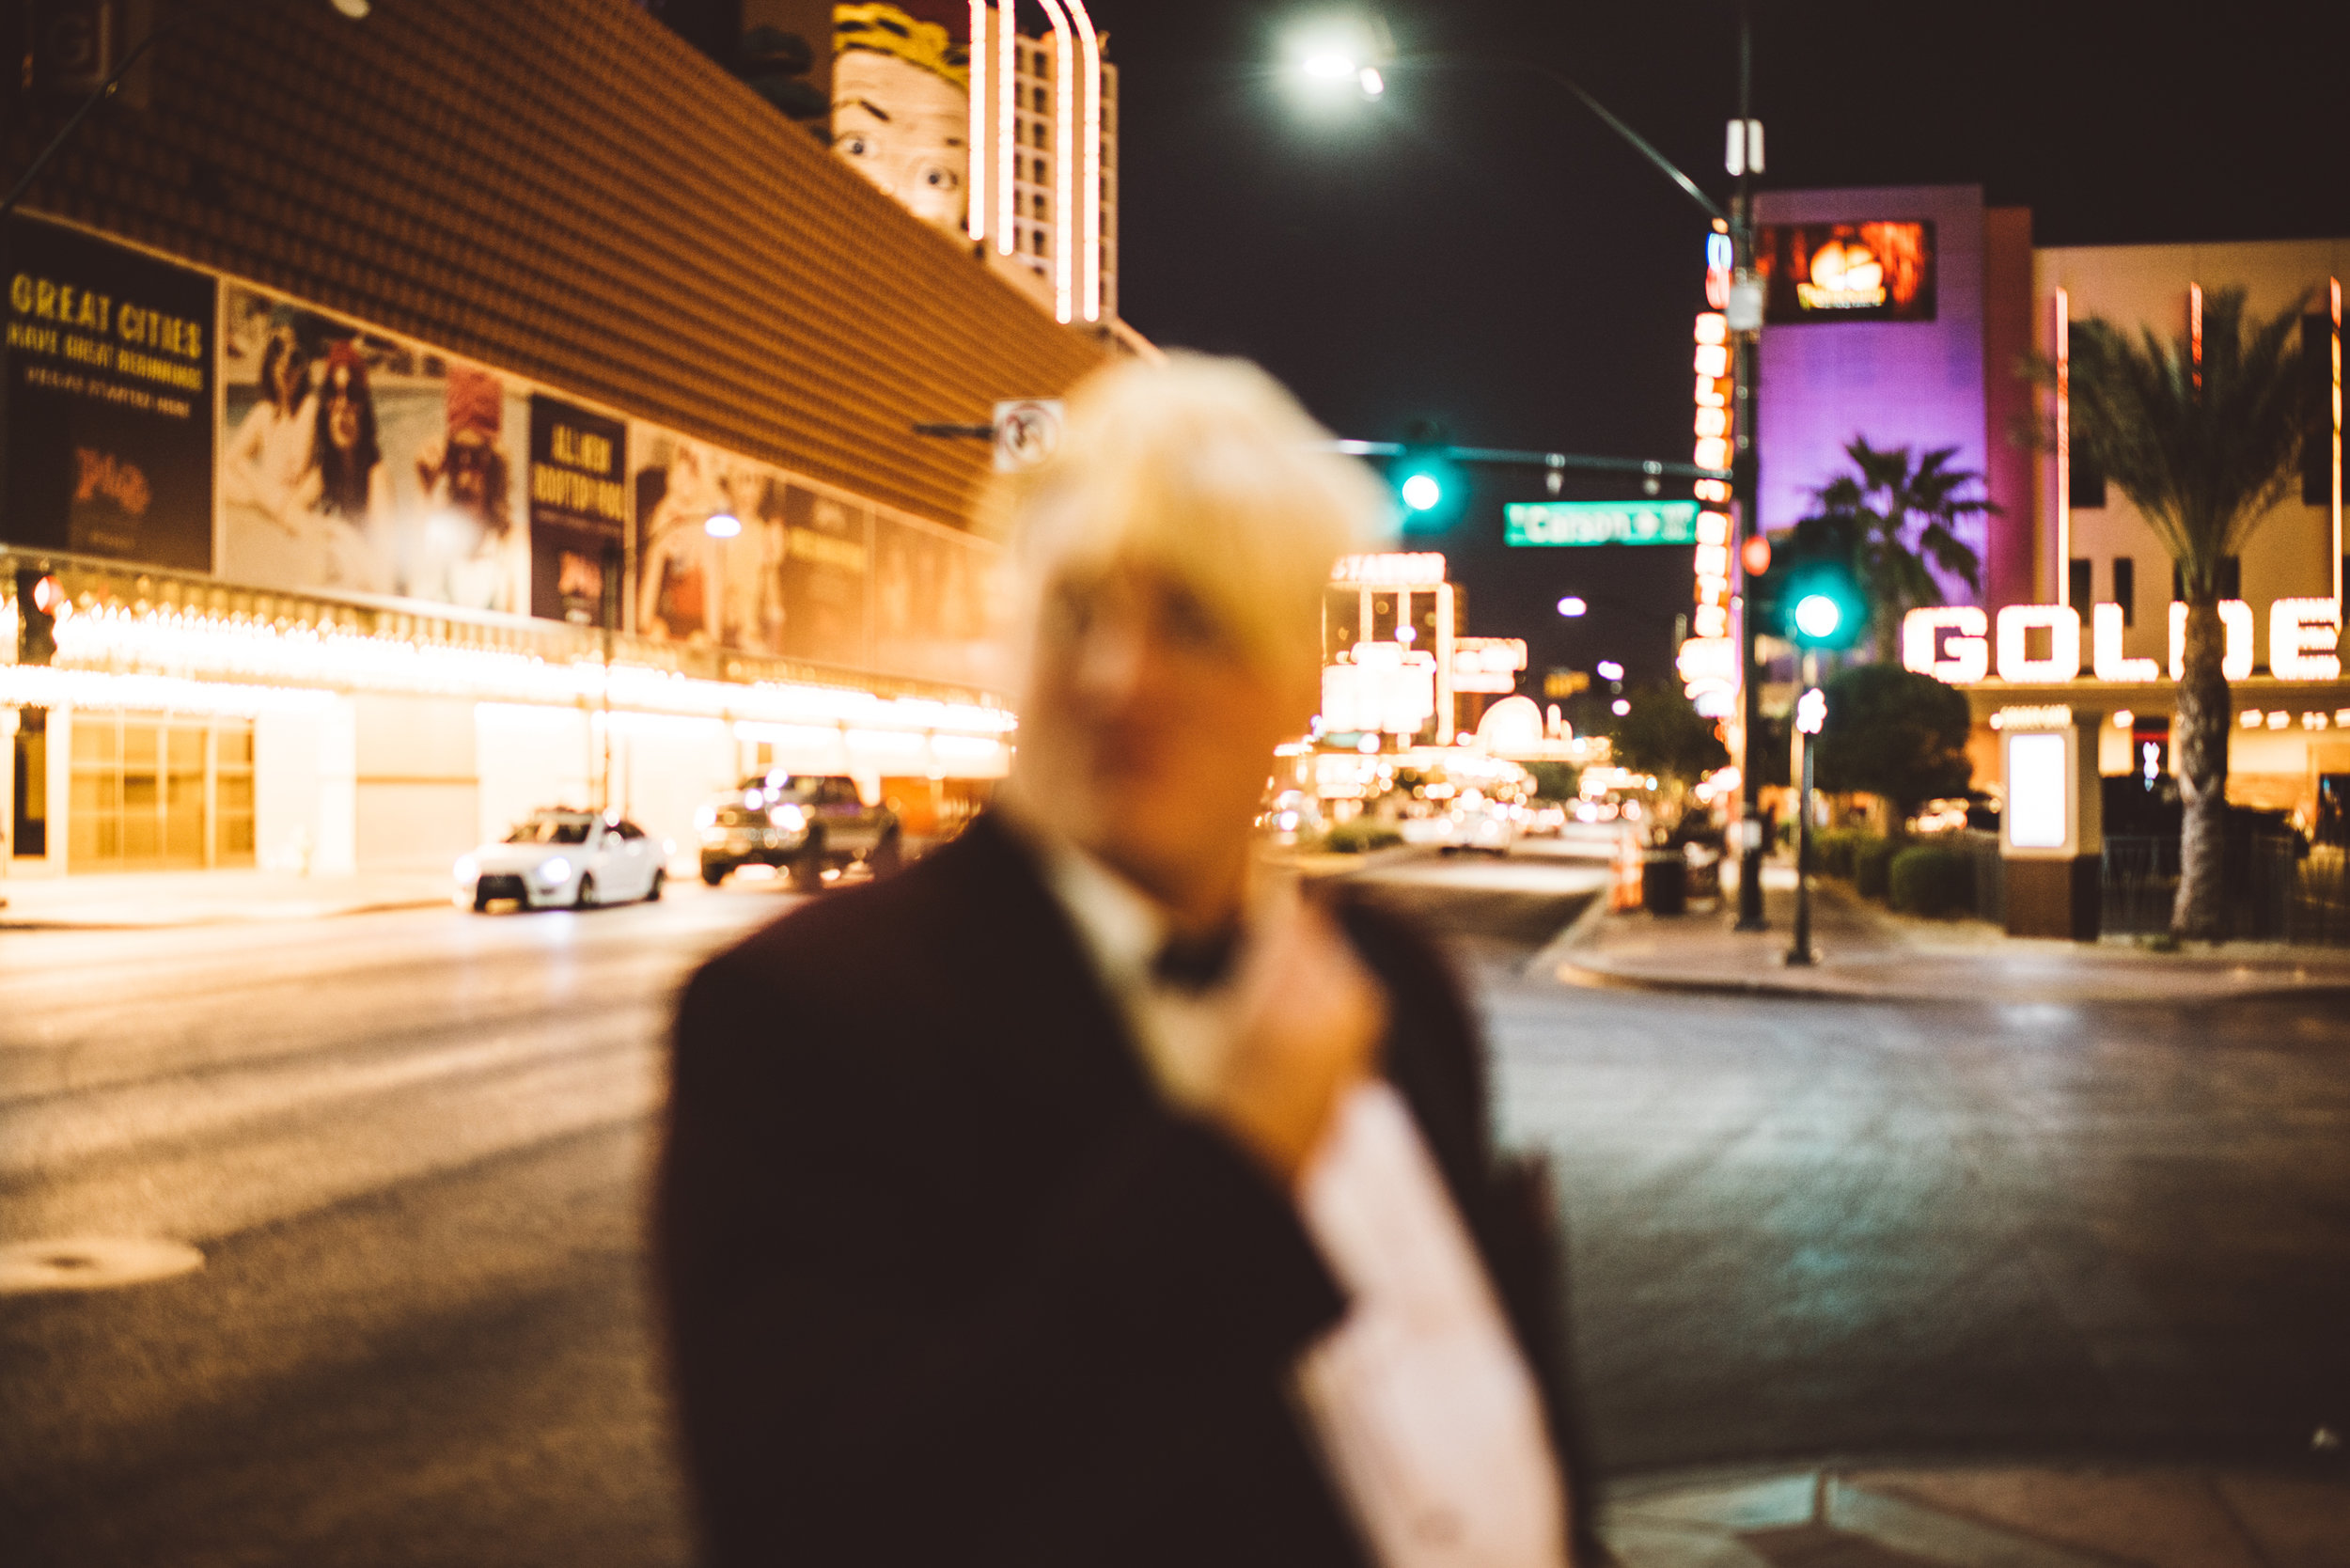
(1476, 249)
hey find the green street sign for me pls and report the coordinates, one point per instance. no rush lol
(1601, 522)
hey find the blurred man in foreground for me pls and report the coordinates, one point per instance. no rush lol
(1083, 1195)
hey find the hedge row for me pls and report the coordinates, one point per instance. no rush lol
(1915, 879)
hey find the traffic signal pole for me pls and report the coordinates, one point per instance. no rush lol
(1746, 493)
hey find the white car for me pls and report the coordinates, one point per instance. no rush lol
(567, 860)
(1470, 823)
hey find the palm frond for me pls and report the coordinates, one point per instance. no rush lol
(2203, 464)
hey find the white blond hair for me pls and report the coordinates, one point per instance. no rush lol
(1208, 471)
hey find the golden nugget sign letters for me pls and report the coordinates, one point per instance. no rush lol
(2041, 644)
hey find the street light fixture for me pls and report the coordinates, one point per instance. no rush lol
(722, 525)
(1572, 607)
(1743, 320)
(1339, 52)
(356, 10)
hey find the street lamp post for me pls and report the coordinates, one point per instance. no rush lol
(1745, 325)
(355, 11)
(1745, 315)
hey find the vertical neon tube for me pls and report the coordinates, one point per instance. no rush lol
(1064, 165)
(2195, 329)
(976, 222)
(1090, 179)
(1007, 125)
(2064, 447)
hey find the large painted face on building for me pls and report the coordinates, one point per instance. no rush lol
(900, 107)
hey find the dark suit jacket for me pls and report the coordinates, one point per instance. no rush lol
(947, 1284)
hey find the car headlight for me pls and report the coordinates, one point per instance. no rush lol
(788, 817)
(467, 868)
(706, 817)
(553, 872)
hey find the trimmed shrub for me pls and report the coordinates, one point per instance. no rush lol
(1361, 834)
(1928, 879)
(1832, 850)
(1871, 861)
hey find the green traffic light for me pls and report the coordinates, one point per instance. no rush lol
(1818, 615)
(1423, 492)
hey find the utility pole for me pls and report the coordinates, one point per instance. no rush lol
(1745, 313)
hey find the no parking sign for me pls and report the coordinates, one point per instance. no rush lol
(1027, 433)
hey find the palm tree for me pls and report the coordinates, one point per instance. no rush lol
(2205, 447)
(1907, 526)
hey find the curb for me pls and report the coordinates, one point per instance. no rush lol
(1561, 961)
(190, 922)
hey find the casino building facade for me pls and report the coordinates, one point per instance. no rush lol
(409, 422)
(2075, 607)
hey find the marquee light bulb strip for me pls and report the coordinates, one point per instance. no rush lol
(199, 651)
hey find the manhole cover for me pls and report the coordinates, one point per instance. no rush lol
(91, 1263)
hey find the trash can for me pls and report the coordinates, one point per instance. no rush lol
(1665, 882)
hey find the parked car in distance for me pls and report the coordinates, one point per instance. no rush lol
(561, 858)
(803, 823)
(1470, 821)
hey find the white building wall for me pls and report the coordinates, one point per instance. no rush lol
(415, 790)
(2291, 551)
(304, 789)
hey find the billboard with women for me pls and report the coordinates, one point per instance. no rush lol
(353, 463)
(932, 588)
(106, 401)
(734, 553)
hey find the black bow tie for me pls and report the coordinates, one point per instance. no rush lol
(1197, 963)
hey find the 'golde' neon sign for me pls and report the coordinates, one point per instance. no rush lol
(1955, 643)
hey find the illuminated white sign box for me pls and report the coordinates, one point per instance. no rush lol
(1385, 689)
(2053, 810)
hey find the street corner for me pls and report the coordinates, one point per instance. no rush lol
(2015, 1516)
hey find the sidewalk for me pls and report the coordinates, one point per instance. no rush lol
(2046, 1516)
(1865, 953)
(145, 900)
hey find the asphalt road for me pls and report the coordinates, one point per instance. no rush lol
(412, 1150)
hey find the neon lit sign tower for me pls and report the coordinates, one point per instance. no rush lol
(1042, 141)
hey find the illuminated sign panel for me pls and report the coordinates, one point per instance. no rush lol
(1487, 663)
(2041, 644)
(1576, 522)
(2039, 790)
(1846, 272)
(1401, 570)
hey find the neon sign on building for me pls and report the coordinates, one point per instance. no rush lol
(1960, 644)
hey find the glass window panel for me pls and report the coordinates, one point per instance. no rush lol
(95, 741)
(234, 794)
(82, 844)
(236, 840)
(97, 793)
(141, 745)
(141, 791)
(236, 747)
(142, 836)
(183, 803)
